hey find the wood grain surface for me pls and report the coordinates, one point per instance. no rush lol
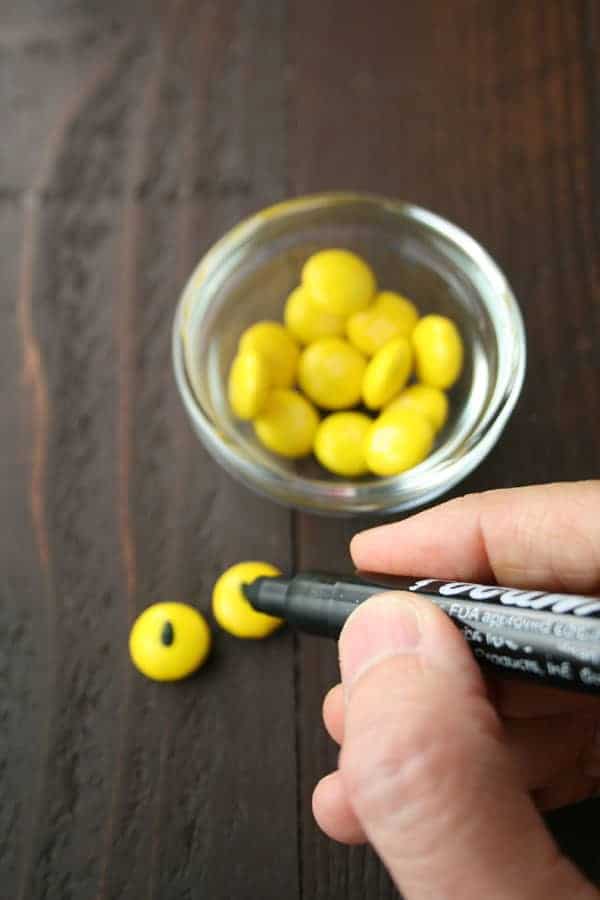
(133, 135)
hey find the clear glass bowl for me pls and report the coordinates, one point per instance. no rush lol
(248, 274)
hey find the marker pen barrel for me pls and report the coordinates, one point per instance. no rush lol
(546, 637)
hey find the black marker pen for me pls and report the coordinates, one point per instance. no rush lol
(548, 637)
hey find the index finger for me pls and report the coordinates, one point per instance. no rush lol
(546, 536)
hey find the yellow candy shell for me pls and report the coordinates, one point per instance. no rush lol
(339, 443)
(387, 373)
(248, 385)
(169, 641)
(340, 282)
(331, 372)
(307, 321)
(390, 316)
(438, 350)
(428, 401)
(230, 607)
(287, 424)
(277, 347)
(396, 443)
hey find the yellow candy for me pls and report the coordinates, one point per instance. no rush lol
(287, 424)
(169, 641)
(387, 373)
(339, 282)
(278, 348)
(424, 399)
(398, 442)
(307, 321)
(438, 350)
(230, 607)
(331, 372)
(389, 317)
(339, 443)
(249, 384)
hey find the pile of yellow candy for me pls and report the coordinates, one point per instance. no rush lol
(346, 345)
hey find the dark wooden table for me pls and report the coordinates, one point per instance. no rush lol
(133, 135)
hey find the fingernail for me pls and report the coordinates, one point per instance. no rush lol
(386, 625)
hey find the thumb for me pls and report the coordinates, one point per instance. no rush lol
(426, 769)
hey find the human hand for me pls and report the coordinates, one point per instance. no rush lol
(441, 768)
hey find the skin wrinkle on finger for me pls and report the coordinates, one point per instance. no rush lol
(409, 776)
(545, 536)
(435, 754)
(333, 812)
(531, 529)
(414, 662)
(544, 746)
(554, 782)
(405, 759)
(570, 559)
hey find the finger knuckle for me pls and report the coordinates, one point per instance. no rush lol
(408, 768)
(382, 770)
